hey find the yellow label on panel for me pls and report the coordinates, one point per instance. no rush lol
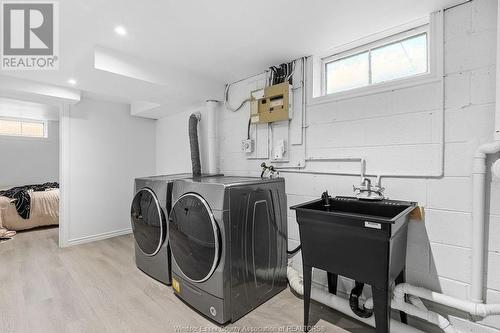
(176, 285)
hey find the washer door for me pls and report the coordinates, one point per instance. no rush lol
(194, 237)
(148, 222)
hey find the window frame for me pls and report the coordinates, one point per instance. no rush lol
(435, 41)
(369, 47)
(27, 137)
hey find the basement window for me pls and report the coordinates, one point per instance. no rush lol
(23, 128)
(397, 57)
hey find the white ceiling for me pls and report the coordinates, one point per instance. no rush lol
(198, 45)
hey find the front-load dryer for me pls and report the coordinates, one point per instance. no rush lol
(149, 213)
(228, 237)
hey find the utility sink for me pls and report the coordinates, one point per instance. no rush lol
(359, 239)
(385, 211)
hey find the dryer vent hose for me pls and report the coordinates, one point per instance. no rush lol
(193, 142)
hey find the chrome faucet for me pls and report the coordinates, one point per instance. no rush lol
(367, 191)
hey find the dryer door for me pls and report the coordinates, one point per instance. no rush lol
(148, 222)
(194, 237)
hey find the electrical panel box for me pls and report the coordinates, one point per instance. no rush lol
(274, 106)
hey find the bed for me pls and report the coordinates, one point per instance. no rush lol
(44, 211)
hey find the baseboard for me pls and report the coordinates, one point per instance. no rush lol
(97, 237)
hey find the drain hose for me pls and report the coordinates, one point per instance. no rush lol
(193, 143)
(354, 301)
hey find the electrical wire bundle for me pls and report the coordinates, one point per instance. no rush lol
(226, 100)
(281, 74)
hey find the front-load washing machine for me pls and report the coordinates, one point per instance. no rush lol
(149, 212)
(228, 237)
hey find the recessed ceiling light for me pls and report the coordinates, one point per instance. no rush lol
(72, 81)
(120, 30)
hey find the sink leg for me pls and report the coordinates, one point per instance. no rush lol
(307, 272)
(401, 279)
(382, 309)
(332, 282)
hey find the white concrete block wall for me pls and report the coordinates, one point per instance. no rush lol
(439, 249)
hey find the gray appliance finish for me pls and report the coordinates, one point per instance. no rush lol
(228, 237)
(149, 213)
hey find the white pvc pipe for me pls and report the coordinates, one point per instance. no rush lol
(211, 106)
(478, 201)
(429, 316)
(478, 218)
(340, 304)
(475, 309)
(489, 148)
(417, 309)
(478, 191)
(414, 300)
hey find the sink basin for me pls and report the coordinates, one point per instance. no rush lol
(359, 239)
(363, 240)
(382, 211)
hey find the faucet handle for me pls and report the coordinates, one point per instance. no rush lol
(325, 195)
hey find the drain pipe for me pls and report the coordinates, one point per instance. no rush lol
(211, 106)
(340, 304)
(194, 118)
(415, 307)
(478, 190)
(418, 309)
(474, 309)
(478, 217)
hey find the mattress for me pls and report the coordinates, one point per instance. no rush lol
(44, 211)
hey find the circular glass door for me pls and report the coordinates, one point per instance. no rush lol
(148, 222)
(194, 237)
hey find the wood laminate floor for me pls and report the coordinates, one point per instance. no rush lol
(96, 287)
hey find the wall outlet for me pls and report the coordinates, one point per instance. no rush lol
(279, 150)
(247, 145)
